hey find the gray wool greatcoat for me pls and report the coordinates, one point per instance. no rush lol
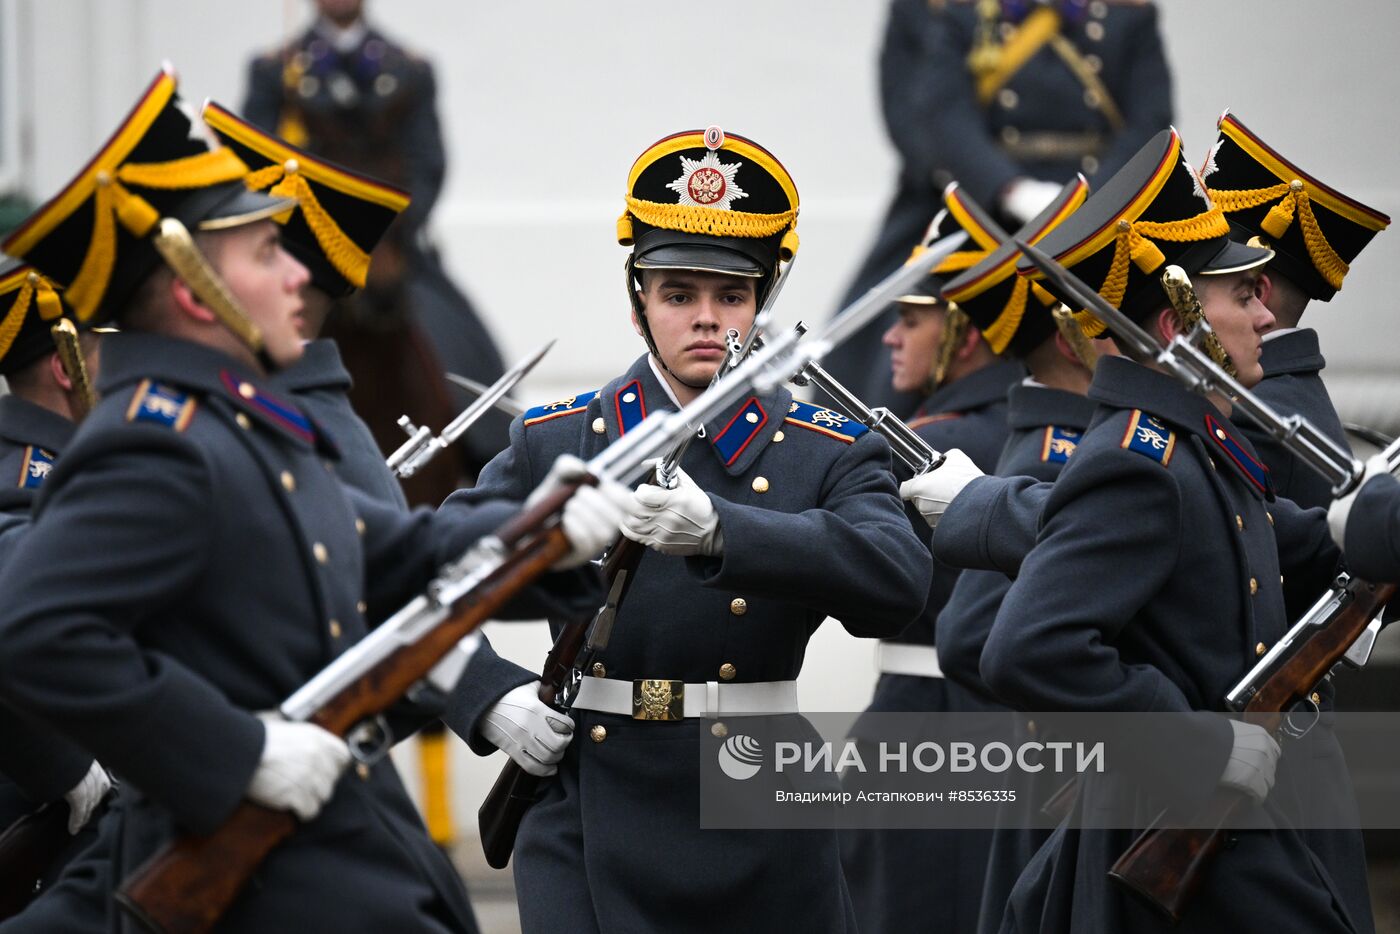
(813, 526)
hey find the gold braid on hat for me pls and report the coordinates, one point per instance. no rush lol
(1293, 201)
(35, 288)
(113, 202)
(1134, 242)
(287, 181)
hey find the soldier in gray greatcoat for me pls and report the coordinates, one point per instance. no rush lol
(1165, 498)
(194, 559)
(785, 513)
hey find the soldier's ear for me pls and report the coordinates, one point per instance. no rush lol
(187, 303)
(1168, 325)
(60, 375)
(636, 323)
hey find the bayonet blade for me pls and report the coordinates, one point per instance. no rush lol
(504, 404)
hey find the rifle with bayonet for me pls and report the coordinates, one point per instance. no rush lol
(189, 884)
(578, 643)
(1165, 866)
(422, 445)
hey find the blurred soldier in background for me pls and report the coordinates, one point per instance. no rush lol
(343, 91)
(1011, 98)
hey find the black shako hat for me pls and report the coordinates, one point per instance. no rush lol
(1315, 231)
(340, 214)
(1153, 213)
(93, 238)
(997, 300)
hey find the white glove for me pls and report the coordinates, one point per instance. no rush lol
(932, 492)
(528, 730)
(591, 516)
(84, 797)
(1340, 509)
(1252, 761)
(682, 521)
(1027, 197)
(300, 765)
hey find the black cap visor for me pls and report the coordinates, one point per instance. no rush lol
(240, 206)
(699, 258)
(1235, 257)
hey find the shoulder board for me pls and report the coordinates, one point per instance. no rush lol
(37, 466)
(162, 404)
(825, 421)
(1059, 444)
(1150, 437)
(933, 419)
(543, 413)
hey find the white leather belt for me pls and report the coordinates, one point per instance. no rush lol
(655, 699)
(908, 658)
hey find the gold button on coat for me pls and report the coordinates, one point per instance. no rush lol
(335, 628)
(738, 606)
(1094, 31)
(362, 607)
(718, 729)
(778, 436)
(1239, 522)
(247, 390)
(599, 426)
(322, 555)
(1260, 649)
(598, 733)
(751, 418)
(727, 671)
(362, 770)
(1270, 517)
(243, 421)
(289, 483)
(1008, 98)
(359, 525)
(1253, 586)
(1089, 164)
(760, 484)
(599, 671)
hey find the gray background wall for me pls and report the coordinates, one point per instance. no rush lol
(544, 105)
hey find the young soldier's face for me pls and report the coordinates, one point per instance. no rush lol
(913, 341)
(689, 313)
(267, 283)
(1240, 320)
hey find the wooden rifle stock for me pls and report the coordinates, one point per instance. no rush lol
(516, 790)
(188, 885)
(27, 848)
(1165, 866)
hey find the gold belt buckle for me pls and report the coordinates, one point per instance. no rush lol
(658, 699)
